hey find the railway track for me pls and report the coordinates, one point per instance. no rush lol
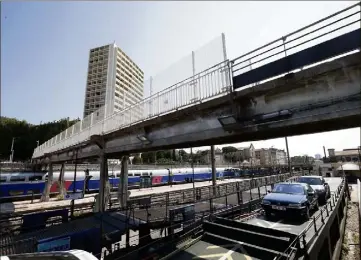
(159, 202)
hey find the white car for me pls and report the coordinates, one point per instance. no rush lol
(320, 186)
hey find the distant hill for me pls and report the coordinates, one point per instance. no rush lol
(27, 135)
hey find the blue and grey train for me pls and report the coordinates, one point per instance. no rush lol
(17, 184)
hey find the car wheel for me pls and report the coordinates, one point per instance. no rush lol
(307, 213)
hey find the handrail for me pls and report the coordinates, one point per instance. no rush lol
(295, 32)
(218, 68)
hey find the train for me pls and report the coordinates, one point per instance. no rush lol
(22, 184)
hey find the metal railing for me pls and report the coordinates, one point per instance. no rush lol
(322, 30)
(225, 193)
(206, 85)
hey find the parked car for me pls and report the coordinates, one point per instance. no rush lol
(319, 185)
(290, 199)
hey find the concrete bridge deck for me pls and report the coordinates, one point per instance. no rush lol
(290, 92)
(319, 98)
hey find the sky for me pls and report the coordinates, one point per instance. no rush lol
(45, 48)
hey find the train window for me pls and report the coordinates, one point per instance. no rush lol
(136, 174)
(16, 192)
(35, 178)
(3, 179)
(150, 174)
(144, 174)
(17, 178)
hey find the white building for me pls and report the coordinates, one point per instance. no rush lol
(113, 79)
(318, 156)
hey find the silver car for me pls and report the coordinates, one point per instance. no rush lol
(318, 184)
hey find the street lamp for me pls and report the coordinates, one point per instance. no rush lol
(143, 139)
(12, 150)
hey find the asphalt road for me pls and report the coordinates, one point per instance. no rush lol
(205, 249)
(293, 226)
(208, 250)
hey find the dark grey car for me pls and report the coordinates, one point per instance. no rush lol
(319, 185)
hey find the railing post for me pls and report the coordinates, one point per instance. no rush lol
(314, 224)
(237, 189)
(322, 219)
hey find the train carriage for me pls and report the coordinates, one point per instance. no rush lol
(25, 184)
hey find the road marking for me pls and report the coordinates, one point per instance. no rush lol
(275, 224)
(208, 256)
(224, 246)
(230, 252)
(284, 228)
(228, 255)
(260, 224)
(269, 224)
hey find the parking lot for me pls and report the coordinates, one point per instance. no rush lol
(294, 226)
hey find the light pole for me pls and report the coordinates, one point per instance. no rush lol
(37, 143)
(288, 156)
(192, 165)
(12, 150)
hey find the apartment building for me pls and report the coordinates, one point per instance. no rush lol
(113, 79)
(346, 155)
(271, 156)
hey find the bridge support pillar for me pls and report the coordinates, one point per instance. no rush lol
(104, 189)
(214, 172)
(123, 182)
(46, 193)
(62, 189)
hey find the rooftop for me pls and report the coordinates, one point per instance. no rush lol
(347, 152)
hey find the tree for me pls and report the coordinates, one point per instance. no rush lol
(137, 159)
(229, 149)
(148, 157)
(183, 156)
(26, 136)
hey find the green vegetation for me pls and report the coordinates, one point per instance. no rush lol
(169, 157)
(26, 136)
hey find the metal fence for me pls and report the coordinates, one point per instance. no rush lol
(325, 29)
(243, 196)
(206, 85)
(206, 199)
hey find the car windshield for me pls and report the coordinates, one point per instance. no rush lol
(311, 181)
(289, 188)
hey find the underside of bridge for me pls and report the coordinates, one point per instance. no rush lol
(321, 98)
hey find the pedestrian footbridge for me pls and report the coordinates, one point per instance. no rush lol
(305, 82)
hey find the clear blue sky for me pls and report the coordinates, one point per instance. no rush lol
(45, 45)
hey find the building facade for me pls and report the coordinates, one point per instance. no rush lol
(271, 156)
(346, 155)
(113, 80)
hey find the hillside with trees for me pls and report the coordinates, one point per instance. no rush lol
(26, 136)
